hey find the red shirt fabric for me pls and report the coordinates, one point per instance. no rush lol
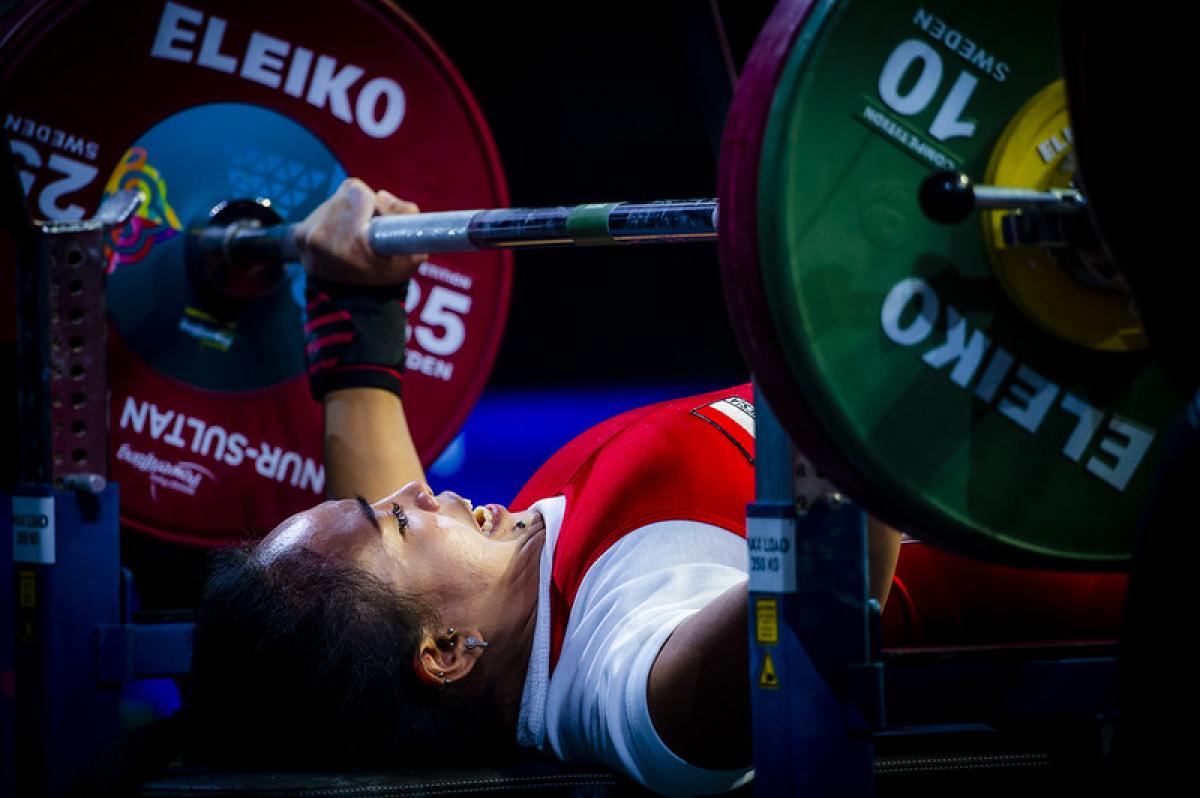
(669, 461)
(691, 459)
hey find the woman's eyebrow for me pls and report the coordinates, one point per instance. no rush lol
(368, 512)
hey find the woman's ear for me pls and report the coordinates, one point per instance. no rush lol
(443, 659)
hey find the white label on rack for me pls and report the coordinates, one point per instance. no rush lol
(33, 529)
(772, 544)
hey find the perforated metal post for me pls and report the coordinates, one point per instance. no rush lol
(809, 630)
(63, 549)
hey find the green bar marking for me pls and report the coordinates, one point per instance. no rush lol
(588, 224)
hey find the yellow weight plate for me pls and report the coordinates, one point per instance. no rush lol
(1057, 289)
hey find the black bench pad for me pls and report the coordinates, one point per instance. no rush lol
(540, 778)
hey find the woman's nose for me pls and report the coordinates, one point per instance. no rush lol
(420, 495)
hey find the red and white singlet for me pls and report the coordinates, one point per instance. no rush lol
(647, 525)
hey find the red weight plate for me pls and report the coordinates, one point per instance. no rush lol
(737, 187)
(741, 274)
(213, 432)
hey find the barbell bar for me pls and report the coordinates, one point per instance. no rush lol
(462, 231)
(949, 197)
(946, 197)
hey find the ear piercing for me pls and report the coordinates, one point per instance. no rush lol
(471, 643)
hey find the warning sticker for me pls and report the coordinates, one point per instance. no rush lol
(766, 621)
(768, 679)
(26, 589)
(772, 547)
(33, 529)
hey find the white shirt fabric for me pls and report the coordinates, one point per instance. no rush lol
(594, 708)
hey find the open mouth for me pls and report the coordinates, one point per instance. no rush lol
(485, 517)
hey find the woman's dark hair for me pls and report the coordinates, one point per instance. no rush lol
(308, 662)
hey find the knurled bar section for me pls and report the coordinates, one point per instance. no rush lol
(78, 363)
(947, 762)
(584, 784)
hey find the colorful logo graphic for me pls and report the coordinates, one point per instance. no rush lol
(155, 220)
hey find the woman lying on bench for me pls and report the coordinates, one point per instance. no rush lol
(600, 618)
(393, 625)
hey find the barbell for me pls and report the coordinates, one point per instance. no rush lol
(947, 197)
(986, 386)
(668, 221)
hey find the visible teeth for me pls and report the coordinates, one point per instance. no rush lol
(485, 519)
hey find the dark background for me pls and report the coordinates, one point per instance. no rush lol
(594, 103)
(586, 103)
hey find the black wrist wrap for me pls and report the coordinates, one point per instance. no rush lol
(354, 336)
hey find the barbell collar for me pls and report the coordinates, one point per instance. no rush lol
(1050, 229)
(247, 241)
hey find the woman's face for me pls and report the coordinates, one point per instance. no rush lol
(436, 547)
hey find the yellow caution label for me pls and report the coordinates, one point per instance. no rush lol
(767, 678)
(26, 589)
(766, 621)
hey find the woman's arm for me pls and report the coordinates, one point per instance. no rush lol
(699, 688)
(883, 550)
(368, 447)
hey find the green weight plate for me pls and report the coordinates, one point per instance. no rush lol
(950, 413)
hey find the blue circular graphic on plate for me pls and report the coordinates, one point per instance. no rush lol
(184, 166)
